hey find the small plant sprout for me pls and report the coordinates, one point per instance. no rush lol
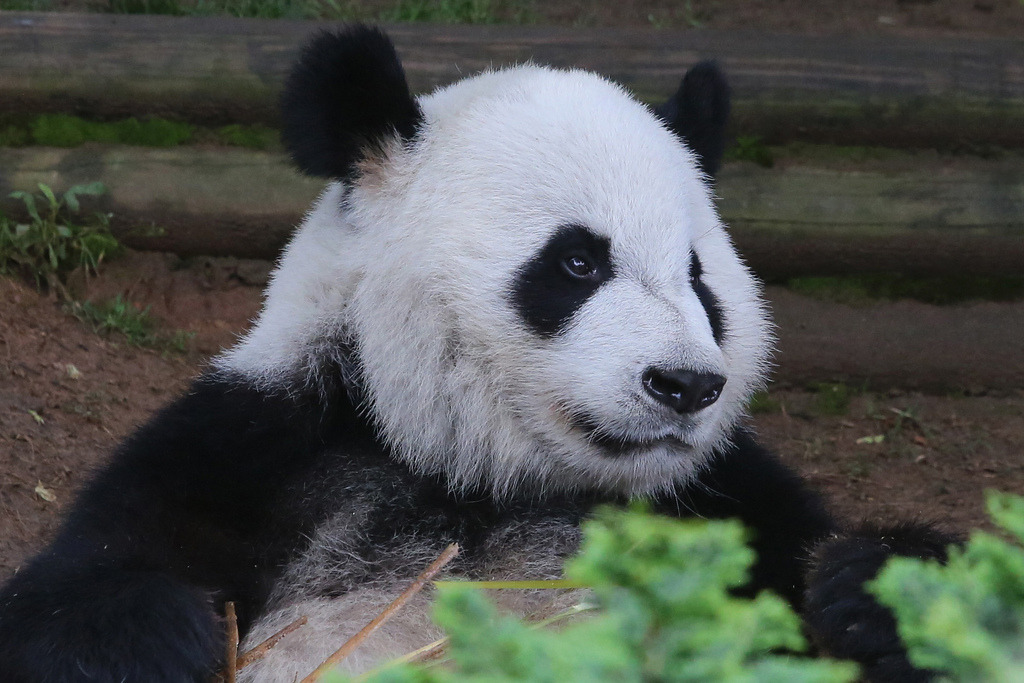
(50, 245)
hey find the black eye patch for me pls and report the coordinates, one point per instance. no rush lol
(552, 286)
(712, 307)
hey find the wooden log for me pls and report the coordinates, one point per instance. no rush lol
(898, 214)
(843, 89)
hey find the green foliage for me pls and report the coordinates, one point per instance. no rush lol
(49, 245)
(667, 615)
(762, 403)
(14, 136)
(750, 148)
(832, 398)
(443, 11)
(26, 5)
(440, 11)
(965, 619)
(118, 315)
(251, 137)
(63, 130)
(121, 316)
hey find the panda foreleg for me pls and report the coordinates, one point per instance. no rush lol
(847, 623)
(187, 515)
(102, 624)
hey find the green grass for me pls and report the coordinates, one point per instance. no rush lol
(65, 130)
(52, 242)
(117, 315)
(26, 5)
(750, 148)
(941, 290)
(250, 137)
(135, 324)
(762, 403)
(832, 398)
(443, 11)
(437, 11)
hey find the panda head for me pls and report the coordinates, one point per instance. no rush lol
(522, 276)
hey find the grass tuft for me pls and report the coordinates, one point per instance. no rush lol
(63, 130)
(832, 399)
(50, 245)
(135, 324)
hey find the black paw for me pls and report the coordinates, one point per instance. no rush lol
(848, 623)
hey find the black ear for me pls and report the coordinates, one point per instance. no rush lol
(698, 113)
(345, 96)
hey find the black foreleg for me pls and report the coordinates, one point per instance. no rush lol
(104, 625)
(844, 620)
(186, 516)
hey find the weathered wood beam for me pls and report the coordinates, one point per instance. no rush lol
(957, 216)
(847, 89)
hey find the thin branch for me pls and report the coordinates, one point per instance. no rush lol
(260, 651)
(415, 587)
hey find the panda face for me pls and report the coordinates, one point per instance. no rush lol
(535, 289)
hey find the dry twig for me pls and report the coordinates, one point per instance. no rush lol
(260, 651)
(231, 668)
(415, 587)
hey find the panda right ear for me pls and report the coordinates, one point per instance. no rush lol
(345, 96)
(699, 112)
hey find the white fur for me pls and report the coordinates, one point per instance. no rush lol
(413, 265)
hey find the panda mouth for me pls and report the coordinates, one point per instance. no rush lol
(618, 444)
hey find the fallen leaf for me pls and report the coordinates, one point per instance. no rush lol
(37, 417)
(73, 372)
(877, 438)
(920, 440)
(45, 493)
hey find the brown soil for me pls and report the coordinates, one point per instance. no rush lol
(937, 455)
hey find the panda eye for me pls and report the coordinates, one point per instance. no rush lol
(579, 267)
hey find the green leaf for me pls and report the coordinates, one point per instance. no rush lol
(30, 203)
(94, 189)
(48, 193)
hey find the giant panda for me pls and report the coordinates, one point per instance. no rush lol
(513, 301)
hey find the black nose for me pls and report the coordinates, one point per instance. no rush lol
(684, 391)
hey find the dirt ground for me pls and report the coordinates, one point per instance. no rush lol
(878, 455)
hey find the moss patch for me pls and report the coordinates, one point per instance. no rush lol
(64, 130)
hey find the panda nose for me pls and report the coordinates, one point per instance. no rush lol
(684, 391)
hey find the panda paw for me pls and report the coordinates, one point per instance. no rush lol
(848, 623)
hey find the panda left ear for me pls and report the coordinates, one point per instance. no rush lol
(345, 97)
(699, 112)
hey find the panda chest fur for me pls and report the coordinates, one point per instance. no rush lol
(381, 534)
